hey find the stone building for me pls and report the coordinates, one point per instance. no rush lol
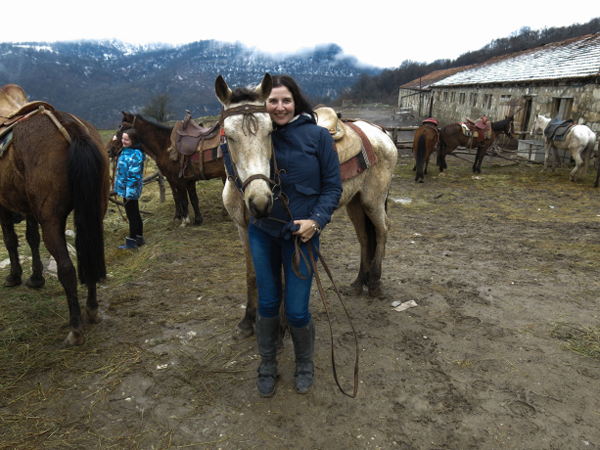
(416, 94)
(559, 79)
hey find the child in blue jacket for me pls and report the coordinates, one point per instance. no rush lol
(129, 182)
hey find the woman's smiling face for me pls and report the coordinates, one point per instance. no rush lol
(281, 105)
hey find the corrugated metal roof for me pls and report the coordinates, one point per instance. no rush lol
(425, 81)
(573, 58)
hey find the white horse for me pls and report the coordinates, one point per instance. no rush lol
(580, 142)
(247, 128)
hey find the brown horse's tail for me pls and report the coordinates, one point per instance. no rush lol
(86, 169)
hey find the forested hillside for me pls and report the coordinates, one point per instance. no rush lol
(383, 87)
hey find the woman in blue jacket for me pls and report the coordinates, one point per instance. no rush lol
(311, 180)
(129, 182)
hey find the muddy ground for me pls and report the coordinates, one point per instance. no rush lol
(502, 350)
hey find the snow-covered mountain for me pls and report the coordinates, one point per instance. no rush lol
(97, 79)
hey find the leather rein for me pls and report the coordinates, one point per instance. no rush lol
(250, 122)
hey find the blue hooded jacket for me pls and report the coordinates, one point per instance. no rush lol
(310, 174)
(129, 179)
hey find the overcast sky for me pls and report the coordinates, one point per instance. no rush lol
(376, 32)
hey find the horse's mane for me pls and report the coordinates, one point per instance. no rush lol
(244, 94)
(501, 124)
(153, 123)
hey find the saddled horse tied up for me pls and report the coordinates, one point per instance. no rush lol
(55, 163)
(424, 144)
(364, 195)
(578, 139)
(472, 134)
(181, 174)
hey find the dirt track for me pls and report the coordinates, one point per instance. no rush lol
(503, 267)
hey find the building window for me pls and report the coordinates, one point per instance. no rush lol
(453, 97)
(461, 98)
(487, 101)
(561, 107)
(473, 99)
(445, 96)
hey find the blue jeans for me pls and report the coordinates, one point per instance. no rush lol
(269, 255)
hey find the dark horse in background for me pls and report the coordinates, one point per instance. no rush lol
(156, 140)
(44, 175)
(425, 142)
(451, 136)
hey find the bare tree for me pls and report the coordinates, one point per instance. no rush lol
(159, 108)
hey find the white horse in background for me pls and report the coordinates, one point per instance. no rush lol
(580, 142)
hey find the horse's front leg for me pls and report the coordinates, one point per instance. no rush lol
(479, 159)
(193, 195)
(11, 241)
(546, 156)
(246, 326)
(33, 239)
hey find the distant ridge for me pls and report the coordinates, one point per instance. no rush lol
(97, 79)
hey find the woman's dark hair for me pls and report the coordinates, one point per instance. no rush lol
(133, 135)
(302, 105)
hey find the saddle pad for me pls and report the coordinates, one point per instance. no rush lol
(362, 161)
(5, 141)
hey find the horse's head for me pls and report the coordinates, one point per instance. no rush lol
(115, 145)
(248, 130)
(510, 127)
(539, 124)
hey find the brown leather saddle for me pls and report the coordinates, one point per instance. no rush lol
(477, 129)
(193, 143)
(14, 107)
(354, 149)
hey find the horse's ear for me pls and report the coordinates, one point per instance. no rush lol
(265, 88)
(222, 91)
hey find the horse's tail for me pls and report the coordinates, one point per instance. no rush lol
(421, 153)
(86, 169)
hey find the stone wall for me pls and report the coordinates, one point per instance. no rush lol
(580, 102)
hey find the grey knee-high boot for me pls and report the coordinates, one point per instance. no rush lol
(304, 347)
(267, 338)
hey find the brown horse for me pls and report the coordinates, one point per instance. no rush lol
(244, 116)
(451, 136)
(44, 176)
(424, 144)
(156, 140)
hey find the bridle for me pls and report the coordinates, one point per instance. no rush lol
(250, 123)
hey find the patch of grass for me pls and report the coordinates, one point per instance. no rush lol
(586, 343)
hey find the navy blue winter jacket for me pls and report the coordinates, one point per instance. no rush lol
(310, 174)
(129, 180)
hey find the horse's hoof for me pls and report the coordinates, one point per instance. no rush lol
(92, 317)
(420, 180)
(244, 330)
(11, 282)
(74, 338)
(197, 222)
(36, 283)
(241, 333)
(375, 289)
(353, 290)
